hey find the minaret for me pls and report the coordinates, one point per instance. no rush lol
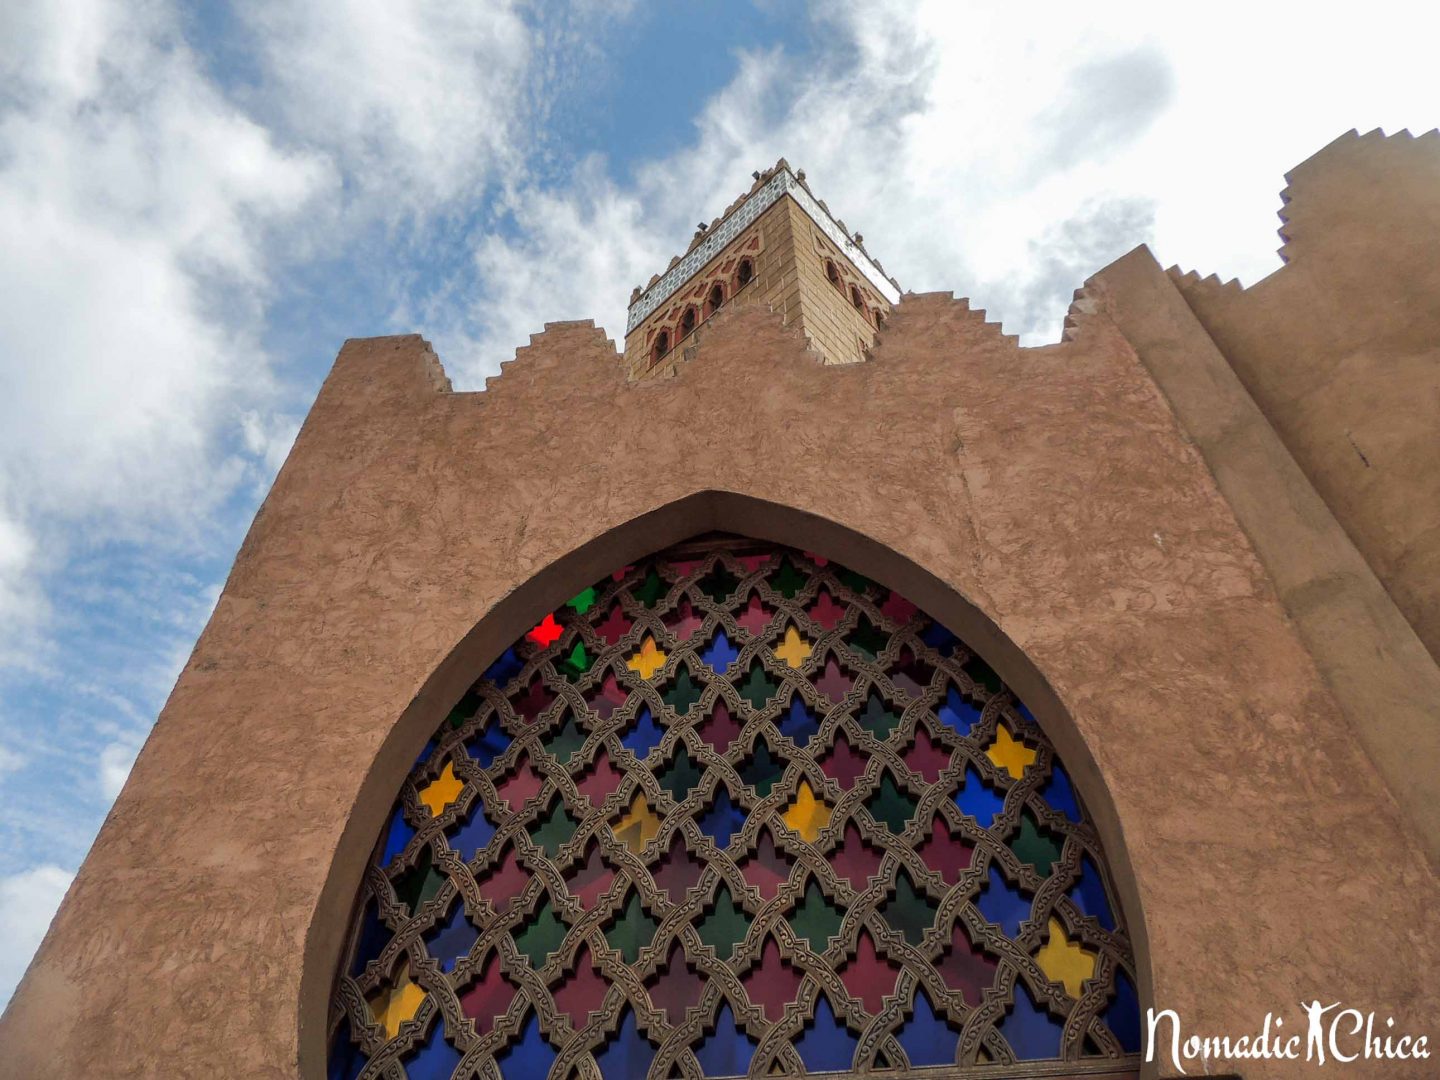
(776, 245)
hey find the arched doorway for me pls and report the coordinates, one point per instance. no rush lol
(736, 809)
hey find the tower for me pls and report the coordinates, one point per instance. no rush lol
(776, 245)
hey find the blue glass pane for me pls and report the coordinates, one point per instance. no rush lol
(1123, 1015)
(643, 736)
(727, 1052)
(1002, 904)
(826, 1045)
(720, 654)
(436, 1060)
(798, 723)
(1030, 1029)
(1088, 892)
(979, 799)
(628, 1054)
(452, 940)
(939, 638)
(346, 1059)
(425, 753)
(925, 1037)
(469, 838)
(489, 744)
(723, 819)
(400, 834)
(374, 935)
(958, 711)
(504, 669)
(528, 1059)
(1059, 794)
(1024, 710)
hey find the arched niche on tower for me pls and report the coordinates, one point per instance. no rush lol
(552, 585)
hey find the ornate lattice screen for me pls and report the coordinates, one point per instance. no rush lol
(736, 811)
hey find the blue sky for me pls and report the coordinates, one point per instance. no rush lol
(199, 203)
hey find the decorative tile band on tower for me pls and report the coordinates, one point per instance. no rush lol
(782, 183)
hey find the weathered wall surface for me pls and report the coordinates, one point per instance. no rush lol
(1341, 349)
(414, 532)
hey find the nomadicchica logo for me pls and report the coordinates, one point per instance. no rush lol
(1330, 1035)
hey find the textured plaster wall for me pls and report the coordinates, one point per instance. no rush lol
(413, 532)
(1341, 349)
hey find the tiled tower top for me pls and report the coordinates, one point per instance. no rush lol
(791, 253)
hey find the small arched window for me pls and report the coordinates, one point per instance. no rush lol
(687, 322)
(717, 297)
(662, 344)
(745, 273)
(856, 298)
(833, 275)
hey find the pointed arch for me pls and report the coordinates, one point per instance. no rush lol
(552, 585)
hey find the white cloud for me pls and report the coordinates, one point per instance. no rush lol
(28, 901)
(419, 101)
(1000, 152)
(10, 760)
(135, 203)
(116, 760)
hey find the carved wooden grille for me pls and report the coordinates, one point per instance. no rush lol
(736, 811)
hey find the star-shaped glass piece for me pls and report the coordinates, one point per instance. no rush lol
(807, 813)
(648, 660)
(793, 650)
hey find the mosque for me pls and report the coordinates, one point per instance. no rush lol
(820, 684)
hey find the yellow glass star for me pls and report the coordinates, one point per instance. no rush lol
(392, 1005)
(1009, 753)
(807, 815)
(794, 650)
(639, 824)
(442, 791)
(648, 660)
(1065, 961)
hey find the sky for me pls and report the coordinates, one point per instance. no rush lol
(199, 203)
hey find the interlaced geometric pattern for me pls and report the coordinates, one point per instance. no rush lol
(736, 811)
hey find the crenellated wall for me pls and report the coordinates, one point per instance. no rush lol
(1341, 350)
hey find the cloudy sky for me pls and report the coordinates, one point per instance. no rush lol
(199, 202)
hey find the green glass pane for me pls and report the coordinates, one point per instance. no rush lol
(1035, 845)
(890, 805)
(982, 673)
(868, 638)
(910, 910)
(651, 589)
(762, 770)
(788, 581)
(683, 693)
(565, 740)
(552, 831)
(726, 926)
(420, 883)
(467, 707)
(541, 936)
(632, 931)
(856, 582)
(757, 687)
(680, 778)
(577, 662)
(719, 584)
(584, 601)
(815, 918)
(877, 717)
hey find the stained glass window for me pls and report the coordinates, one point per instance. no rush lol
(735, 811)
